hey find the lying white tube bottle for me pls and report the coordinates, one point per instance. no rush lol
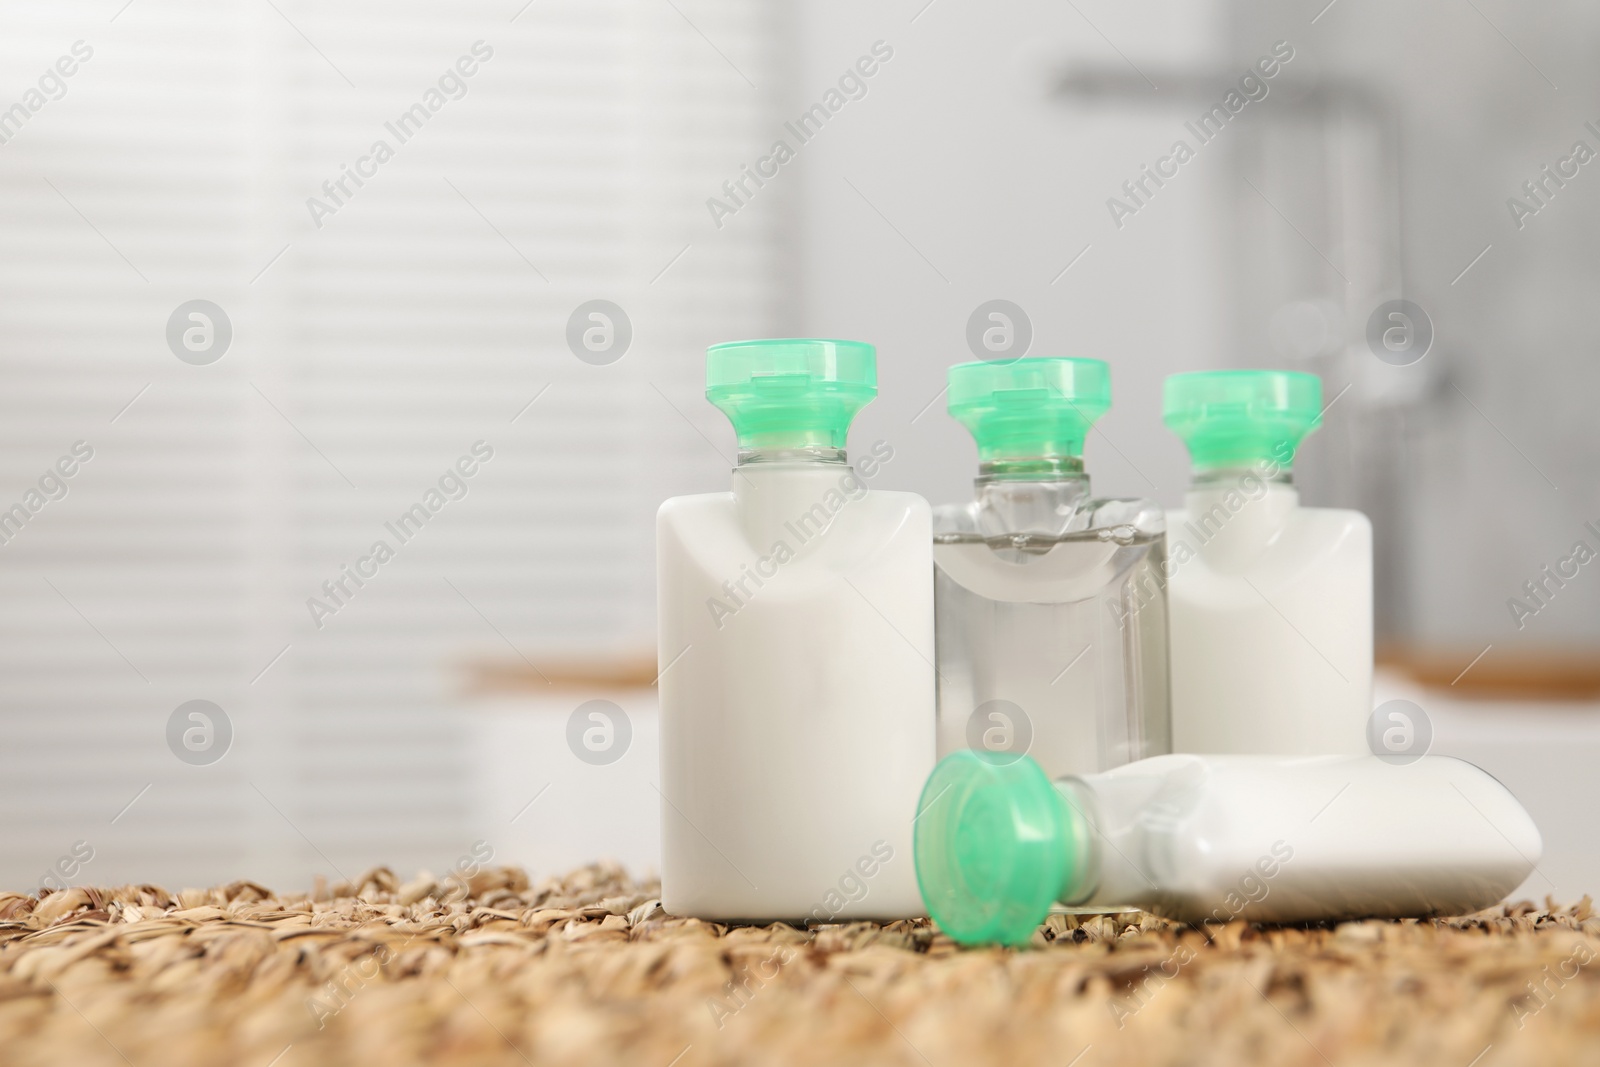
(1216, 838)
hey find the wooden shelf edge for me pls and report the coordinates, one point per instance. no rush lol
(1554, 673)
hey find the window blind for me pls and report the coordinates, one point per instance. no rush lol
(386, 335)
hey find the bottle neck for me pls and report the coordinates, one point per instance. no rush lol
(1040, 495)
(1234, 513)
(1265, 472)
(1031, 469)
(793, 496)
(1080, 823)
(797, 453)
(1118, 814)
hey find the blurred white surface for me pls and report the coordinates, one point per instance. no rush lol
(541, 807)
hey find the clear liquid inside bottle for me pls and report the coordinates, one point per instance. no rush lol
(1051, 621)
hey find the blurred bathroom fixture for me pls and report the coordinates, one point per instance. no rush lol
(1308, 243)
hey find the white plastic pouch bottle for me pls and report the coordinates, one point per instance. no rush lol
(1216, 838)
(1270, 603)
(796, 655)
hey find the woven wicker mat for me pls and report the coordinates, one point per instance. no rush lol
(587, 969)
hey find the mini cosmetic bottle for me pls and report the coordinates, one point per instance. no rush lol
(1271, 601)
(1051, 604)
(796, 655)
(1215, 838)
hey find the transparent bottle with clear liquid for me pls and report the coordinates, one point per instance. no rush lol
(1050, 605)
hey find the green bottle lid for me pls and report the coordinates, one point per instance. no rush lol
(1029, 408)
(1235, 418)
(791, 393)
(996, 845)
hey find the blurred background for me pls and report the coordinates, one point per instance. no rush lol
(241, 344)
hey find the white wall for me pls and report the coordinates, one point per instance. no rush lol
(962, 148)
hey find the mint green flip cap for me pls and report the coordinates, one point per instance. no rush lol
(996, 845)
(791, 393)
(1235, 418)
(1029, 408)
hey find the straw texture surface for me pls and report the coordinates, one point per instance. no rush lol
(586, 968)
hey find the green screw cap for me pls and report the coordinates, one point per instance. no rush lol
(996, 845)
(1234, 418)
(1029, 408)
(791, 393)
